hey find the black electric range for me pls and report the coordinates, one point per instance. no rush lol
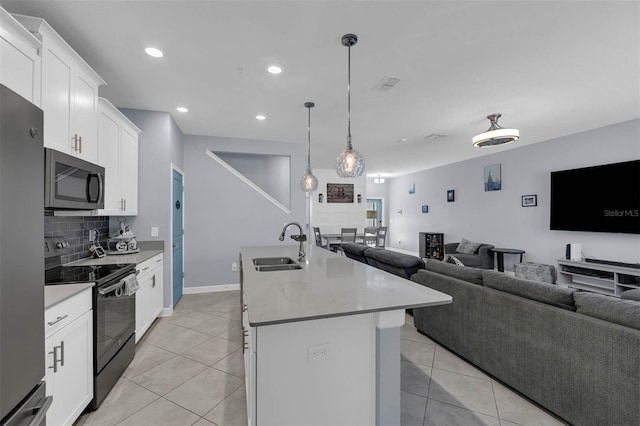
(99, 274)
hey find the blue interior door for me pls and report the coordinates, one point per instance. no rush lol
(177, 232)
(377, 206)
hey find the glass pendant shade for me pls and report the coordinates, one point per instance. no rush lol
(308, 182)
(495, 135)
(350, 163)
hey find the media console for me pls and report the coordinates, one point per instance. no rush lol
(605, 278)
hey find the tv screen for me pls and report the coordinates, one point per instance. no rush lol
(602, 198)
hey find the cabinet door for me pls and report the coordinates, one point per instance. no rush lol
(109, 158)
(157, 286)
(72, 383)
(85, 113)
(19, 60)
(143, 307)
(57, 86)
(129, 170)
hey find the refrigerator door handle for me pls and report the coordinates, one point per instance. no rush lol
(41, 411)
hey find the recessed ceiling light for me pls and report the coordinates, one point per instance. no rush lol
(435, 136)
(154, 52)
(275, 68)
(182, 109)
(260, 117)
(402, 140)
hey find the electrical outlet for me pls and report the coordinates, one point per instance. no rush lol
(92, 235)
(154, 231)
(318, 352)
(234, 267)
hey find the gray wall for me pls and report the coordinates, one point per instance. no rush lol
(497, 217)
(222, 213)
(160, 145)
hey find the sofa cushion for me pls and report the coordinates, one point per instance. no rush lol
(464, 273)
(609, 308)
(562, 297)
(403, 265)
(631, 295)
(355, 251)
(467, 247)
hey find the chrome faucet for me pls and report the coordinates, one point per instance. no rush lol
(301, 238)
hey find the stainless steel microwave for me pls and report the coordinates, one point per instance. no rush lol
(72, 183)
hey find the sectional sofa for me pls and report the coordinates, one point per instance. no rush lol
(575, 353)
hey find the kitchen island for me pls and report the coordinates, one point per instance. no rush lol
(322, 342)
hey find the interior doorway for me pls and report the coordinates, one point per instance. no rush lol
(177, 235)
(375, 212)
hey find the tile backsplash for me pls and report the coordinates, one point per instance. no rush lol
(75, 229)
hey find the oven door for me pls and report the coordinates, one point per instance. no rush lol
(114, 321)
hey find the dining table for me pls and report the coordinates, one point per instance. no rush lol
(335, 240)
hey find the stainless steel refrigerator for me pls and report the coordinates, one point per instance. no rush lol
(22, 361)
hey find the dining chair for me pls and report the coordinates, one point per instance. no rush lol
(370, 236)
(382, 236)
(347, 235)
(320, 241)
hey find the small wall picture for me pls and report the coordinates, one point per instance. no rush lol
(412, 188)
(492, 178)
(451, 196)
(339, 193)
(425, 209)
(529, 200)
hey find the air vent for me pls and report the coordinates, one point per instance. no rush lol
(386, 84)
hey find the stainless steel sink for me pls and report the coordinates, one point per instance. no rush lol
(266, 264)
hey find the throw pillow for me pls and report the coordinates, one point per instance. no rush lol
(452, 259)
(467, 247)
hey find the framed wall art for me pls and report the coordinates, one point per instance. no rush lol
(529, 200)
(492, 178)
(339, 193)
(451, 196)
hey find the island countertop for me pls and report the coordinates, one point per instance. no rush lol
(328, 285)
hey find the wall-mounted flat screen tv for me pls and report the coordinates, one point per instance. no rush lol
(603, 198)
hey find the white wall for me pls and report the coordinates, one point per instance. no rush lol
(222, 213)
(497, 217)
(330, 217)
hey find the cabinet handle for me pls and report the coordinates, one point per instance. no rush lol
(245, 332)
(153, 281)
(55, 359)
(125, 204)
(244, 308)
(246, 346)
(62, 353)
(80, 138)
(57, 320)
(75, 142)
(159, 260)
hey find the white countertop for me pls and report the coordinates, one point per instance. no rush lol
(118, 259)
(54, 294)
(328, 285)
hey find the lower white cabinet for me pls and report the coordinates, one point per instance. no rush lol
(69, 358)
(249, 347)
(149, 295)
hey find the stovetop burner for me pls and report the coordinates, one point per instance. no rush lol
(82, 274)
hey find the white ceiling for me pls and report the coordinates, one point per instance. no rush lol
(552, 68)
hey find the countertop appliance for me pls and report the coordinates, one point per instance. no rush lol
(72, 183)
(114, 313)
(22, 391)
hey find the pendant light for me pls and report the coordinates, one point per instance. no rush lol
(309, 182)
(350, 163)
(495, 135)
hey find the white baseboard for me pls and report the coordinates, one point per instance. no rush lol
(210, 288)
(166, 312)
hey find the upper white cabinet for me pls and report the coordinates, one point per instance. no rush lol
(69, 94)
(118, 154)
(19, 59)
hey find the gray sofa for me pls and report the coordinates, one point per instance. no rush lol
(575, 353)
(482, 258)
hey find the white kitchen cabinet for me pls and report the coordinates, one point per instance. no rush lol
(149, 295)
(249, 348)
(118, 154)
(69, 94)
(69, 358)
(19, 59)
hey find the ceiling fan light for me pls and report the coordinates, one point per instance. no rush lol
(495, 135)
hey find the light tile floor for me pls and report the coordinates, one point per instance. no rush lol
(188, 370)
